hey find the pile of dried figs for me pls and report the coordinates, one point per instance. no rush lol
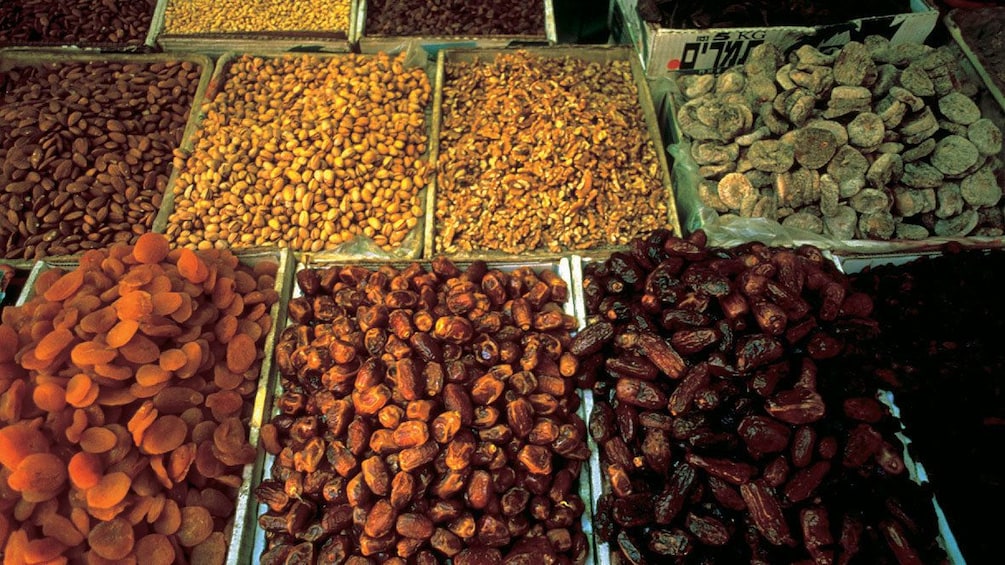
(727, 425)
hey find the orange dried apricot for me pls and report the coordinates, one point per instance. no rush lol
(135, 278)
(97, 440)
(140, 349)
(166, 303)
(226, 328)
(159, 326)
(81, 391)
(115, 397)
(241, 353)
(121, 333)
(64, 287)
(193, 351)
(85, 469)
(8, 344)
(114, 372)
(113, 267)
(112, 539)
(61, 528)
(14, 549)
(207, 463)
(88, 353)
(110, 491)
(212, 551)
(67, 318)
(140, 391)
(169, 520)
(49, 397)
(150, 375)
(165, 434)
(134, 306)
(151, 248)
(18, 441)
(172, 359)
(196, 526)
(180, 462)
(44, 550)
(156, 549)
(225, 404)
(223, 292)
(141, 420)
(192, 267)
(99, 321)
(225, 378)
(77, 427)
(53, 344)
(41, 474)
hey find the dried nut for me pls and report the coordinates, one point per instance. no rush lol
(115, 25)
(417, 18)
(205, 16)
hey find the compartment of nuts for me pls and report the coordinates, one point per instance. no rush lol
(545, 150)
(386, 24)
(730, 426)
(325, 154)
(209, 26)
(874, 147)
(86, 144)
(427, 413)
(111, 25)
(132, 393)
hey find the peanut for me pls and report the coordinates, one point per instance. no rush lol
(209, 16)
(306, 152)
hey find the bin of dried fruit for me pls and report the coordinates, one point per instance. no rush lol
(872, 148)
(210, 26)
(386, 24)
(320, 153)
(86, 144)
(545, 150)
(426, 413)
(726, 424)
(940, 354)
(127, 407)
(110, 25)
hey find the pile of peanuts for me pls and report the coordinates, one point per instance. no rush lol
(86, 151)
(306, 152)
(728, 427)
(126, 389)
(210, 16)
(427, 413)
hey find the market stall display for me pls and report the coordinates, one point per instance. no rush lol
(312, 152)
(546, 150)
(702, 14)
(427, 412)
(129, 382)
(118, 25)
(979, 33)
(727, 426)
(86, 144)
(940, 317)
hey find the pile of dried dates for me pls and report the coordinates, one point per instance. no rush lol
(428, 414)
(728, 431)
(941, 355)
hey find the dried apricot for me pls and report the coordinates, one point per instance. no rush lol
(226, 328)
(172, 359)
(114, 372)
(165, 434)
(156, 549)
(88, 353)
(166, 303)
(115, 397)
(135, 278)
(99, 321)
(241, 353)
(140, 391)
(193, 351)
(121, 333)
(134, 306)
(18, 441)
(225, 378)
(8, 344)
(207, 463)
(44, 550)
(151, 248)
(192, 267)
(60, 527)
(110, 490)
(97, 440)
(77, 427)
(212, 551)
(81, 391)
(140, 349)
(151, 375)
(169, 520)
(180, 462)
(113, 267)
(112, 539)
(196, 526)
(17, 542)
(64, 287)
(49, 397)
(85, 470)
(53, 344)
(39, 473)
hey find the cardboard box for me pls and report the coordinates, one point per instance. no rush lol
(665, 50)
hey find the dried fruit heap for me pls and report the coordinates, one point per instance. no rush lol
(427, 415)
(724, 429)
(122, 417)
